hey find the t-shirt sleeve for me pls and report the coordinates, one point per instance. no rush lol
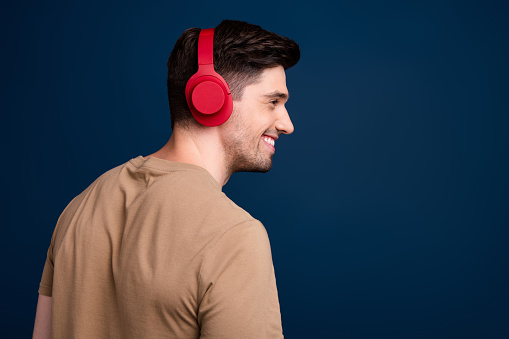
(238, 286)
(46, 285)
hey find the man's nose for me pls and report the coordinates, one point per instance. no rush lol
(283, 122)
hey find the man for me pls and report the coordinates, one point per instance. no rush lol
(153, 248)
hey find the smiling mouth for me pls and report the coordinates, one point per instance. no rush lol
(269, 140)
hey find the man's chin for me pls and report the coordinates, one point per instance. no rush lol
(258, 168)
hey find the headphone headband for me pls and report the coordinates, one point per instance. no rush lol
(205, 47)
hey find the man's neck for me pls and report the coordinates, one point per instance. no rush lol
(201, 149)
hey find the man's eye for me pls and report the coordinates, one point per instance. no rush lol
(274, 102)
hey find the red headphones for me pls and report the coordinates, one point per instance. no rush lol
(207, 93)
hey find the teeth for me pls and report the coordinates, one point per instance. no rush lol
(269, 140)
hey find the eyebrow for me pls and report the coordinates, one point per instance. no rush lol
(277, 94)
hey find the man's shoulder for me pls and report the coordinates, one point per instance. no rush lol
(152, 176)
(197, 195)
(174, 189)
(203, 199)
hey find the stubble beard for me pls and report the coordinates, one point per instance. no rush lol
(242, 153)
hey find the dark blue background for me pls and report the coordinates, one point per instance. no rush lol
(387, 209)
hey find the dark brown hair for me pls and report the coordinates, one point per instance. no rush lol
(241, 52)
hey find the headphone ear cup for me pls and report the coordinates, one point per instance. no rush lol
(207, 97)
(207, 93)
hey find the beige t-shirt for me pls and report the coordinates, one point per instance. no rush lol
(154, 249)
